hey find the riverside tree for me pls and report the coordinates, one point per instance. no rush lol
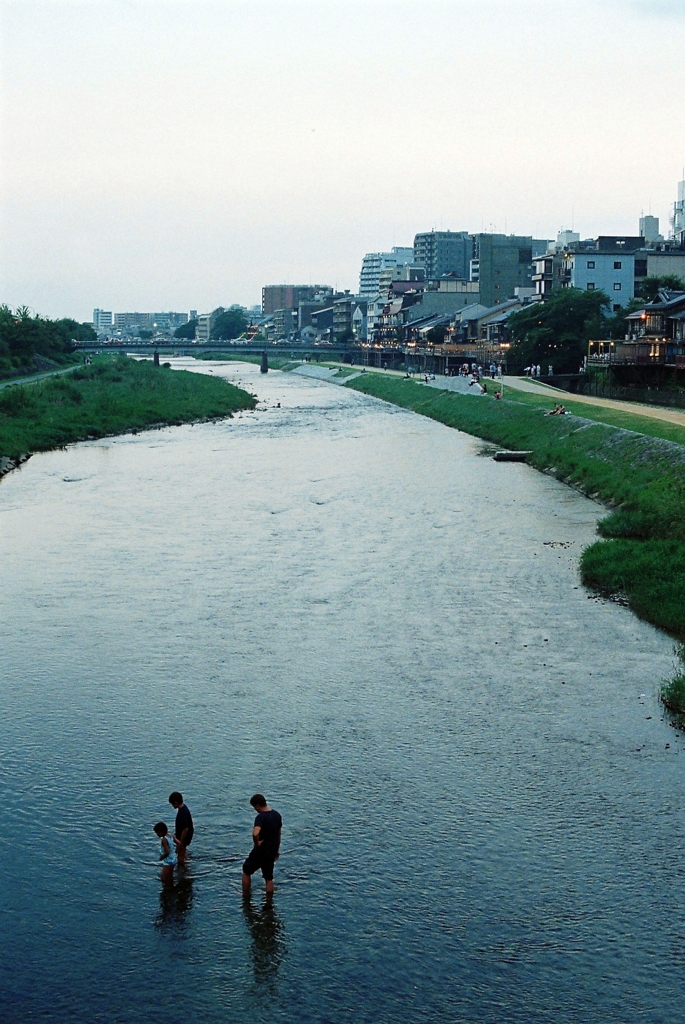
(556, 332)
(651, 286)
(187, 330)
(230, 324)
(25, 339)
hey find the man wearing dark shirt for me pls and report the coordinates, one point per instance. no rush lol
(266, 836)
(183, 830)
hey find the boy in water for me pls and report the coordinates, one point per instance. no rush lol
(184, 828)
(168, 854)
(266, 836)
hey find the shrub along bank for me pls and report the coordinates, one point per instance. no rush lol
(642, 477)
(111, 396)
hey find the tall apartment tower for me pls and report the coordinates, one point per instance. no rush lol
(373, 265)
(505, 262)
(102, 319)
(444, 252)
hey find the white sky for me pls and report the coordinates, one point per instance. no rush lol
(176, 154)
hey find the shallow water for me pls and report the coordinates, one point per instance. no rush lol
(341, 604)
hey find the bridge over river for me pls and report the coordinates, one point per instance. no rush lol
(181, 347)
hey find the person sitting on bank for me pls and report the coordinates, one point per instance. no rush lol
(184, 828)
(266, 836)
(498, 394)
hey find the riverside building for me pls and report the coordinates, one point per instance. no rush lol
(373, 265)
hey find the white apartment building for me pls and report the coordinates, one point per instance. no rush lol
(610, 272)
(374, 263)
(102, 319)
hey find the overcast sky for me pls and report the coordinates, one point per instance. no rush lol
(176, 154)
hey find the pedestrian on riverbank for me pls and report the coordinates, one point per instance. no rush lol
(168, 854)
(183, 828)
(266, 837)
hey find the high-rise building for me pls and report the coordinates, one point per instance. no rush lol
(102, 319)
(649, 229)
(505, 262)
(373, 265)
(678, 218)
(289, 296)
(444, 252)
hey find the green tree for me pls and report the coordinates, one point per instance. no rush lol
(187, 330)
(556, 332)
(24, 338)
(230, 324)
(436, 335)
(650, 287)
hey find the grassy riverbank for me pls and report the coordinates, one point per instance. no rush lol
(113, 396)
(641, 477)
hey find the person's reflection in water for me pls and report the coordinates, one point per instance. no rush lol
(268, 938)
(174, 903)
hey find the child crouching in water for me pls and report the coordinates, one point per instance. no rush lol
(168, 854)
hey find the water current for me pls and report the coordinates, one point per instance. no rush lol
(354, 610)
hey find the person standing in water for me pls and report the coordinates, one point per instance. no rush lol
(183, 829)
(168, 854)
(266, 836)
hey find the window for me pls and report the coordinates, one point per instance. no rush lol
(640, 268)
(617, 286)
(591, 286)
(617, 264)
(591, 264)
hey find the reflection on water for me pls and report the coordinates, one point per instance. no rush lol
(336, 603)
(268, 937)
(175, 902)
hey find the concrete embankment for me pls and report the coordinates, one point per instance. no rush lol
(333, 374)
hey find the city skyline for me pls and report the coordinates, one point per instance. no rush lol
(179, 155)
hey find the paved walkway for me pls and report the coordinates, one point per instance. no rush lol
(527, 384)
(652, 411)
(37, 376)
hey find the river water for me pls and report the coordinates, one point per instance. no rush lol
(349, 608)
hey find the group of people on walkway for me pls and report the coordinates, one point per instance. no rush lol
(266, 841)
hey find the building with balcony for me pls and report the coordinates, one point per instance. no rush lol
(205, 323)
(547, 275)
(374, 263)
(656, 336)
(102, 320)
(444, 252)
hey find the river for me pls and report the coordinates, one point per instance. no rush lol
(352, 609)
